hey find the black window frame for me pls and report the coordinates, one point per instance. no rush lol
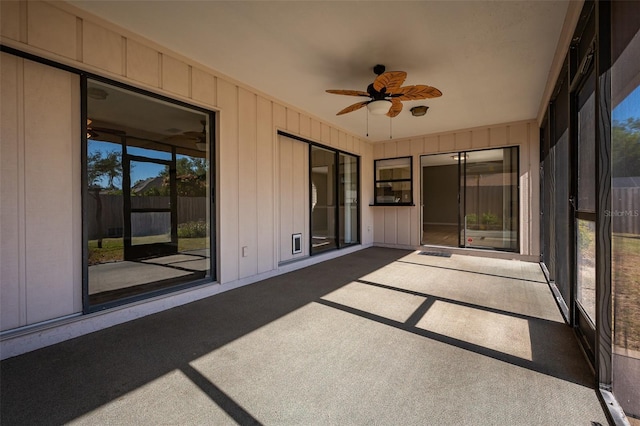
(377, 181)
(87, 306)
(337, 152)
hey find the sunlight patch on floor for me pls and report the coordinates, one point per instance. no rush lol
(386, 303)
(156, 402)
(502, 333)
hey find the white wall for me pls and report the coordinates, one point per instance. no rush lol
(400, 226)
(40, 221)
(41, 206)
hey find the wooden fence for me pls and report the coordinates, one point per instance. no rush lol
(190, 209)
(625, 210)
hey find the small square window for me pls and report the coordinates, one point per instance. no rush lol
(393, 181)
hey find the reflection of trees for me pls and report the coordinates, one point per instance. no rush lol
(191, 179)
(625, 147)
(99, 167)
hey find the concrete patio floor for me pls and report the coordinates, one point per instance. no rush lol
(380, 336)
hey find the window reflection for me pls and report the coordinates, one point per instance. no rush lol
(625, 206)
(147, 203)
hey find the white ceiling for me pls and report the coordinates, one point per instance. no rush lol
(490, 59)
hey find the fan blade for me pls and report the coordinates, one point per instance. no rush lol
(396, 107)
(414, 93)
(353, 107)
(391, 80)
(181, 138)
(193, 135)
(348, 92)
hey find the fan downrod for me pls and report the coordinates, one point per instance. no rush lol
(379, 69)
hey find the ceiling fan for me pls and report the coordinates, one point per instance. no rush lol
(386, 93)
(199, 138)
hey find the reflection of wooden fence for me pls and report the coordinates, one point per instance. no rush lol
(189, 209)
(625, 210)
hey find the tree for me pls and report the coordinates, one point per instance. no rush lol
(101, 166)
(191, 177)
(625, 147)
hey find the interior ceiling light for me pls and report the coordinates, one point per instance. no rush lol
(419, 111)
(458, 157)
(97, 93)
(380, 107)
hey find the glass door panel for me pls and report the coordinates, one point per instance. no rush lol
(323, 200)
(491, 199)
(585, 200)
(625, 206)
(348, 189)
(439, 194)
(470, 199)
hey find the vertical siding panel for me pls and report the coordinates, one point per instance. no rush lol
(431, 144)
(247, 185)
(498, 136)
(316, 130)
(142, 63)
(366, 186)
(12, 286)
(300, 203)
(480, 138)
(101, 48)
(279, 116)
(415, 223)
(203, 86)
(349, 143)
(52, 29)
(403, 225)
(403, 149)
(463, 141)
(266, 186)
(534, 163)
(49, 212)
(305, 126)
(417, 146)
(390, 150)
(390, 225)
(378, 151)
(524, 208)
(10, 22)
(379, 224)
(175, 76)
(325, 134)
(293, 121)
(447, 143)
(286, 197)
(342, 141)
(518, 134)
(228, 181)
(357, 149)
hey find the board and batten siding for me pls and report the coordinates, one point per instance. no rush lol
(40, 211)
(41, 225)
(400, 226)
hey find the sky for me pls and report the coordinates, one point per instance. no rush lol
(140, 170)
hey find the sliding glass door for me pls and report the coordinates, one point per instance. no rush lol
(470, 199)
(334, 199)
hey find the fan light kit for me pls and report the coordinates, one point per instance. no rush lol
(386, 93)
(380, 107)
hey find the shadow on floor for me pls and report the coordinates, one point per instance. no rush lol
(57, 384)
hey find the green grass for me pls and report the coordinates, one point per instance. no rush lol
(626, 290)
(113, 248)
